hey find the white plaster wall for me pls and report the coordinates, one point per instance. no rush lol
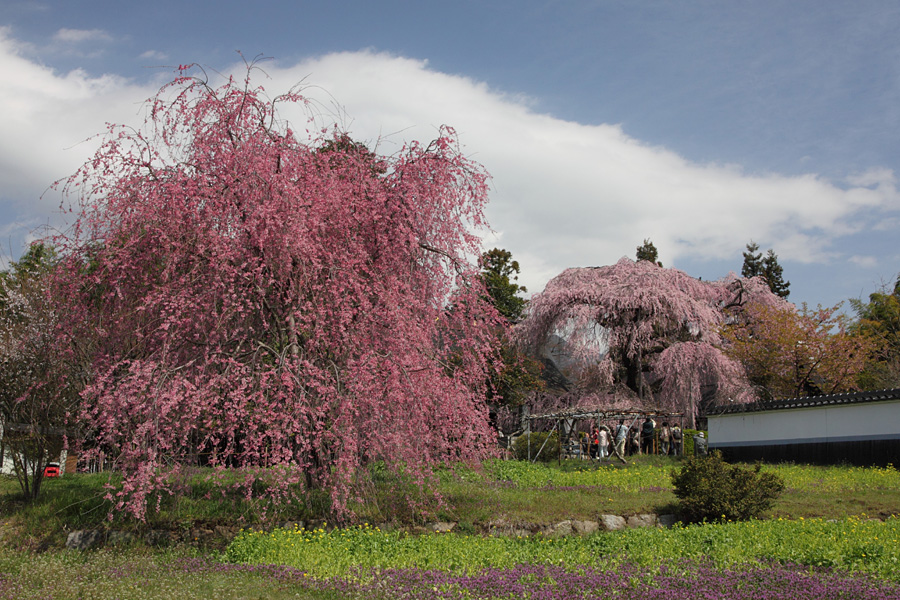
(862, 420)
(7, 467)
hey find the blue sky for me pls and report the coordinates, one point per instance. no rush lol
(698, 124)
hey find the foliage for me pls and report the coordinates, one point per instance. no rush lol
(709, 489)
(301, 308)
(519, 374)
(38, 387)
(755, 265)
(647, 251)
(499, 274)
(879, 319)
(791, 354)
(512, 386)
(688, 440)
(517, 491)
(774, 275)
(651, 330)
(545, 442)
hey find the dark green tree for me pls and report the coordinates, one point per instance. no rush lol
(767, 267)
(520, 374)
(500, 274)
(752, 261)
(879, 318)
(647, 251)
(774, 275)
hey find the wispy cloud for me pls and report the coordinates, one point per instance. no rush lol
(866, 262)
(154, 55)
(78, 36)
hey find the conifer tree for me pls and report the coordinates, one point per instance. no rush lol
(773, 274)
(647, 251)
(500, 274)
(755, 265)
(752, 261)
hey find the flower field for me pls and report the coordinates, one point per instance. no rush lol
(136, 576)
(854, 545)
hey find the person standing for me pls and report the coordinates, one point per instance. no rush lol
(595, 443)
(603, 436)
(634, 444)
(621, 437)
(647, 429)
(676, 440)
(665, 438)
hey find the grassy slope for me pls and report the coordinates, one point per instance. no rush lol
(513, 492)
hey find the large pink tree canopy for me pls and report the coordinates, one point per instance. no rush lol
(260, 301)
(638, 327)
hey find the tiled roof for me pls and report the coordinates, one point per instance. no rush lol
(807, 402)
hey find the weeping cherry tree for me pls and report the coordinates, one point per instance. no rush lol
(277, 304)
(650, 331)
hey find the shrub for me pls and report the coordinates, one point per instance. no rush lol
(709, 489)
(550, 451)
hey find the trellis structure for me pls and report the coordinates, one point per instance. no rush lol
(570, 416)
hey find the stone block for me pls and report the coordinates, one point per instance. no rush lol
(85, 539)
(612, 522)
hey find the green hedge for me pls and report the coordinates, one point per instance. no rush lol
(549, 453)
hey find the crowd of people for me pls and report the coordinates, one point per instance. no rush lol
(624, 440)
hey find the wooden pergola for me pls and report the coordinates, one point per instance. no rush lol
(570, 416)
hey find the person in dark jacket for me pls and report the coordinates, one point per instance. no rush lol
(647, 429)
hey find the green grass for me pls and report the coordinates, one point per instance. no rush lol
(79, 501)
(141, 575)
(539, 493)
(822, 520)
(516, 492)
(855, 544)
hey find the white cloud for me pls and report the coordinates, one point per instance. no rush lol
(47, 116)
(568, 194)
(78, 36)
(565, 194)
(866, 262)
(154, 55)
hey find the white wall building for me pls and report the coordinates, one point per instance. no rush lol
(860, 428)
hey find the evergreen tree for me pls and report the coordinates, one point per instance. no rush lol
(752, 261)
(647, 251)
(755, 265)
(511, 385)
(773, 273)
(500, 273)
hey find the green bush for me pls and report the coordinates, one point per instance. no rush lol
(709, 489)
(689, 440)
(550, 451)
